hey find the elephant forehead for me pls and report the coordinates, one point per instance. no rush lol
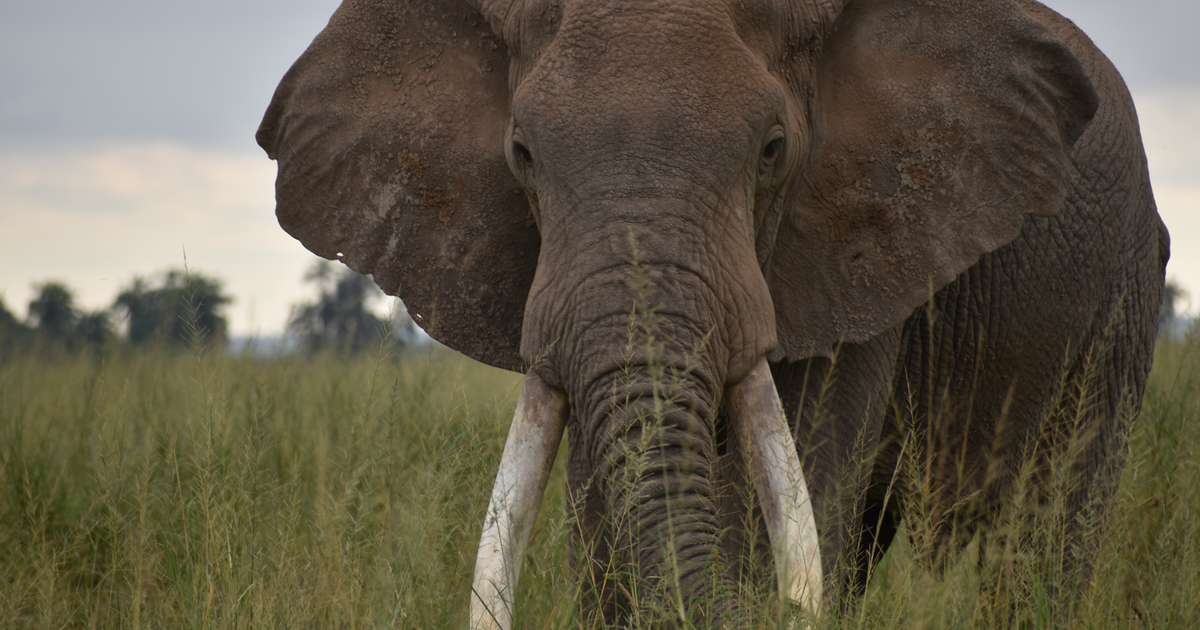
(772, 29)
(685, 14)
(644, 68)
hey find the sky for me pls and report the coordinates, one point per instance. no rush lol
(127, 140)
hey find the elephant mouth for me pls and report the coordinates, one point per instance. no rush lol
(757, 417)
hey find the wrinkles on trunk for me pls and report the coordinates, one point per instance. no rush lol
(652, 452)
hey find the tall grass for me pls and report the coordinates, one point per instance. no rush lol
(166, 490)
(196, 490)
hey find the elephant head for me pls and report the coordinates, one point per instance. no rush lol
(780, 177)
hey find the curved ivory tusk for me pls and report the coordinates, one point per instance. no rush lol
(761, 429)
(537, 428)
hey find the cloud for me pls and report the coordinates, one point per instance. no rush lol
(139, 180)
(95, 218)
(1152, 42)
(1170, 124)
(201, 73)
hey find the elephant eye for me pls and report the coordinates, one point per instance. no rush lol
(773, 149)
(768, 172)
(522, 154)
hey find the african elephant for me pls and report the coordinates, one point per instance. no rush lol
(936, 212)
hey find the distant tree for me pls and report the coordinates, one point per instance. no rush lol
(13, 334)
(94, 329)
(340, 319)
(53, 312)
(56, 320)
(1172, 294)
(170, 309)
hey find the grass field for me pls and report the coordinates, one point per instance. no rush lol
(194, 490)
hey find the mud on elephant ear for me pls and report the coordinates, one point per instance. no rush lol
(388, 132)
(944, 124)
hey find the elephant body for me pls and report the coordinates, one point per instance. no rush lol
(1045, 340)
(932, 218)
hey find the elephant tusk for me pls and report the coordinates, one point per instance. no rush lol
(762, 430)
(537, 428)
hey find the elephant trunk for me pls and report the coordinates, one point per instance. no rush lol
(653, 459)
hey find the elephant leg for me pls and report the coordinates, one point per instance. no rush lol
(972, 391)
(1076, 467)
(836, 408)
(1082, 446)
(881, 502)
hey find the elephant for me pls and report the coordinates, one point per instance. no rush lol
(834, 223)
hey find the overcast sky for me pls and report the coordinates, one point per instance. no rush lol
(127, 137)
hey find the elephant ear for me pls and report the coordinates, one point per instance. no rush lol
(945, 123)
(389, 136)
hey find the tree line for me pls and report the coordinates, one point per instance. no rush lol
(182, 308)
(178, 308)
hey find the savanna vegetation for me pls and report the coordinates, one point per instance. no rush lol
(168, 309)
(167, 489)
(179, 306)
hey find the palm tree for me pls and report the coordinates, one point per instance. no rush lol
(339, 319)
(94, 329)
(181, 307)
(53, 311)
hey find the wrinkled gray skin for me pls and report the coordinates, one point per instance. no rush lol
(799, 178)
